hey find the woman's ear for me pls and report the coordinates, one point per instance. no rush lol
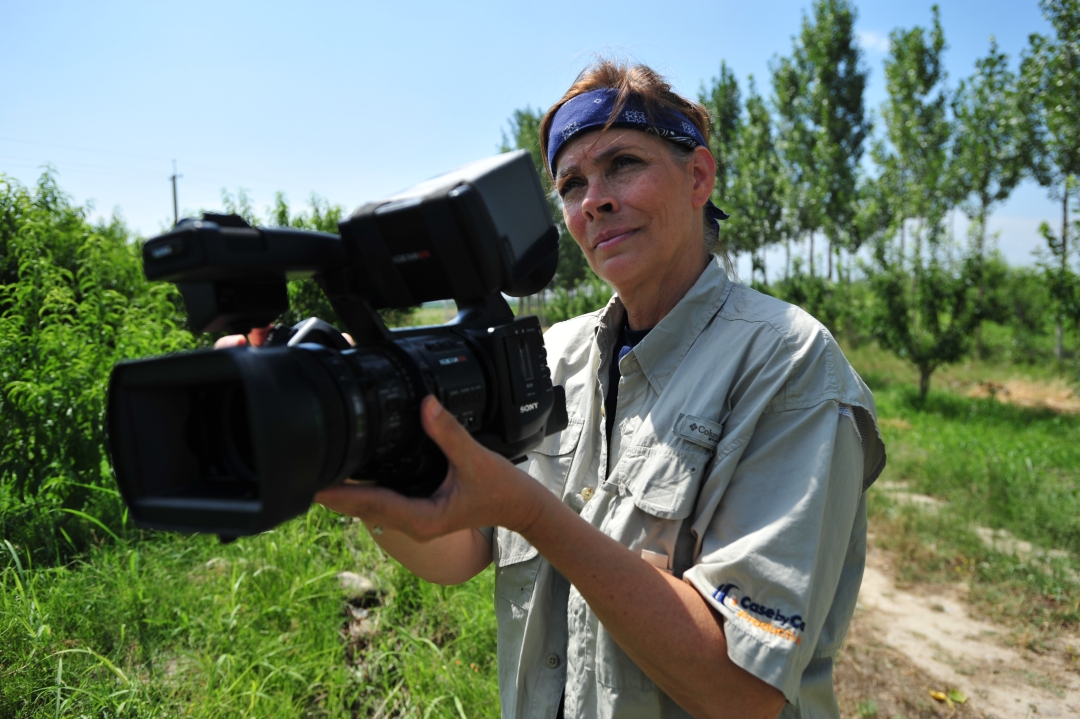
(703, 167)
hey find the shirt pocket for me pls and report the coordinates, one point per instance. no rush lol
(662, 485)
(550, 462)
(516, 565)
(662, 481)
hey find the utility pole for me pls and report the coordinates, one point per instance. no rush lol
(175, 207)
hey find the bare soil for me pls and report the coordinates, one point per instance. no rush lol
(1056, 396)
(906, 642)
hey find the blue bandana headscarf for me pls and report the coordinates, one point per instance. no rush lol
(591, 111)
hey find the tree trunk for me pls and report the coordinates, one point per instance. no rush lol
(1059, 344)
(981, 250)
(924, 381)
(811, 255)
(787, 258)
(903, 224)
(830, 250)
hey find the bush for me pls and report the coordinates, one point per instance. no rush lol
(73, 303)
(590, 294)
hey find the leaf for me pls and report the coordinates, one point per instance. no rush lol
(957, 696)
(941, 697)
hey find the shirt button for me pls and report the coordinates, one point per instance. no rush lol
(552, 661)
(587, 493)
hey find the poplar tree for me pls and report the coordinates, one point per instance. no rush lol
(819, 97)
(989, 148)
(756, 187)
(721, 98)
(1050, 80)
(914, 160)
(927, 308)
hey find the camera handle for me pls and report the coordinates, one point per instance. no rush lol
(485, 312)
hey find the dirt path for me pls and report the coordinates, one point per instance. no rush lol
(903, 644)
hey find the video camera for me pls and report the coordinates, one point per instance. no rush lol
(236, 441)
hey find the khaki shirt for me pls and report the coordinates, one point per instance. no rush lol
(742, 448)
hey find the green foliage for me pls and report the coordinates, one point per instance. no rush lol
(1050, 76)
(819, 92)
(990, 148)
(1062, 281)
(721, 99)
(183, 626)
(587, 296)
(74, 303)
(928, 317)
(995, 465)
(914, 161)
(754, 190)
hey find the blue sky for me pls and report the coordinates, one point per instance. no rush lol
(354, 100)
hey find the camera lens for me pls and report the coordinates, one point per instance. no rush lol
(219, 434)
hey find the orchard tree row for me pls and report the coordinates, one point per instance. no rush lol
(811, 164)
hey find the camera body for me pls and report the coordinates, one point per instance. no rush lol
(237, 441)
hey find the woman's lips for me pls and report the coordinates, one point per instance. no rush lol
(610, 241)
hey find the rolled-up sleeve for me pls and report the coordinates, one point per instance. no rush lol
(776, 520)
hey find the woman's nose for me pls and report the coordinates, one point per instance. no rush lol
(599, 200)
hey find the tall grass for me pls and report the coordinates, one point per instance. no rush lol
(999, 465)
(183, 626)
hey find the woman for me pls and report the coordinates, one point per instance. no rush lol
(694, 541)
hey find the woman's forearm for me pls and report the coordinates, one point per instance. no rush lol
(450, 559)
(659, 621)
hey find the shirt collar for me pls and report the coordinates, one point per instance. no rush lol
(663, 350)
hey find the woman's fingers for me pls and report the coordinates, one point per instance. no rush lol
(453, 439)
(230, 341)
(417, 518)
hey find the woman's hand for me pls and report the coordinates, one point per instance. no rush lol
(481, 489)
(256, 337)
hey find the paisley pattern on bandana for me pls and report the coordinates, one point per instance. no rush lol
(591, 110)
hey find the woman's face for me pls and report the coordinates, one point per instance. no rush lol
(634, 209)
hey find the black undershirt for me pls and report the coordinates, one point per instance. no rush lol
(628, 339)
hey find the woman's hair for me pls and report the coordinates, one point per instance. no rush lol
(656, 95)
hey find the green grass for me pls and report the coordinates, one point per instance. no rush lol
(155, 625)
(995, 465)
(185, 627)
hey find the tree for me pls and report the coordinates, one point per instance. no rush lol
(1050, 80)
(914, 160)
(721, 99)
(927, 305)
(928, 322)
(819, 93)
(989, 147)
(756, 187)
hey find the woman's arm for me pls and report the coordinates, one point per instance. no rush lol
(453, 558)
(662, 623)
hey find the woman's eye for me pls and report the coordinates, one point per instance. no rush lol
(625, 161)
(568, 186)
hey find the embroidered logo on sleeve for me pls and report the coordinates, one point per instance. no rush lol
(767, 619)
(698, 430)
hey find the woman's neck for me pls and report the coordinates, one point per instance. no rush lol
(648, 303)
